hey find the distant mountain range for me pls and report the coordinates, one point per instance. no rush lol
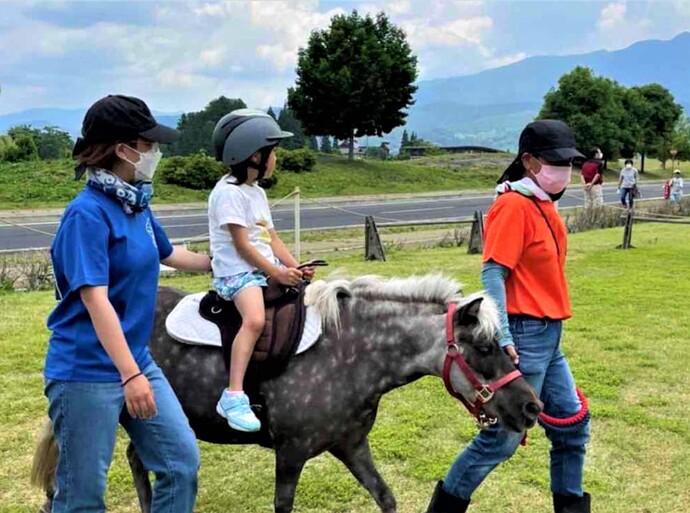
(67, 119)
(488, 108)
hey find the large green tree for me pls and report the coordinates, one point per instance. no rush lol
(354, 79)
(593, 108)
(196, 128)
(657, 120)
(621, 121)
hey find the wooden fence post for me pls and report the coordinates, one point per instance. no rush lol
(476, 244)
(627, 231)
(373, 249)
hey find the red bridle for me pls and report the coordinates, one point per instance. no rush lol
(483, 392)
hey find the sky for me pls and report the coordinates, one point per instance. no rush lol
(178, 55)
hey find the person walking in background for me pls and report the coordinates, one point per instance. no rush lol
(627, 182)
(592, 177)
(676, 184)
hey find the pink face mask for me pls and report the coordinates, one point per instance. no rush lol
(554, 179)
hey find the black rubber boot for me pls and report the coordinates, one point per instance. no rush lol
(571, 503)
(443, 502)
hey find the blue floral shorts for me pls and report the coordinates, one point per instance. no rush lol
(228, 287)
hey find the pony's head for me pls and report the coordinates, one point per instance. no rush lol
(475, 330)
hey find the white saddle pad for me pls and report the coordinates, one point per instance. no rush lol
(184, 324)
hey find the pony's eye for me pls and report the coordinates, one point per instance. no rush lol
(485, 348)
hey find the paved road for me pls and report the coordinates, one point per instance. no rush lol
(190, 223)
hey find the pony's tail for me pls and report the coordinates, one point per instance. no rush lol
(45, 459)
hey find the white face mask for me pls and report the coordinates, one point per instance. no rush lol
(146, 167)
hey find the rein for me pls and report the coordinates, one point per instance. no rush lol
(483, 392)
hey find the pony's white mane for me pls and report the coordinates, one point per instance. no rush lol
(430, 288)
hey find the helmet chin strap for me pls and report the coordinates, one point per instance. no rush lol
(263, 163)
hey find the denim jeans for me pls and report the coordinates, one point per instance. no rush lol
(545, 368)
(85, 418)
(627, 196)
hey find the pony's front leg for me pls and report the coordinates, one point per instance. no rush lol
(290, 461)
(357, 458)
(142, 482)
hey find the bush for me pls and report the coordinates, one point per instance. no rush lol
(197, 171)
(295, 161)
(27, 271)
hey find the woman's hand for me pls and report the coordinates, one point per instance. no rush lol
(139, 398)
(288, 276)
(512, 353)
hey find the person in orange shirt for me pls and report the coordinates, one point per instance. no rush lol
(523, 270)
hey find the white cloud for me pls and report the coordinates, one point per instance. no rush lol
(398, 6)
(619, 28)
(504, 60)
(459, 32)
(612, 15)
(295, 22)
(212, 56)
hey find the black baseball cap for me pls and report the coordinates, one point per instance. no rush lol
(118, 118)
(549, 139)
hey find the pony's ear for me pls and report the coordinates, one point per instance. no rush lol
(468, 315)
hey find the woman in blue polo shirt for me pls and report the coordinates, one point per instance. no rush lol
(99, 372)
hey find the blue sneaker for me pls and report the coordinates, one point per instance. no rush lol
(235, 409)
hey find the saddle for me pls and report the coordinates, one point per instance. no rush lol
(285, 319)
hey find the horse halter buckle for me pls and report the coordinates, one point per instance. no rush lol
(485, 394)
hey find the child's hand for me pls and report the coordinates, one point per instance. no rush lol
(309, 272)
(288, 276)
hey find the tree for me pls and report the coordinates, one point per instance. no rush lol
(271, 113)
(681, 139)
(196, 128)
(335, 145)
(290, 123)
(592, 106)
(50, 143)
(312, 143)
(657, 119)
(326, 145)
(405, 140)
(354, 79)
(53, 143)
(25, 148)
(8, 148)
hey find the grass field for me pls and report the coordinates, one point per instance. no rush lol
(627, 345)
(51, 184)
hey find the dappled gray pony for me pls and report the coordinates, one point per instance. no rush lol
(378, 335)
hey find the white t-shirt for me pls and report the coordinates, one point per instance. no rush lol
(628, 176)
(676, 184)
(244, 205)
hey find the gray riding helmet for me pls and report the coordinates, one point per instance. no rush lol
(243, 132)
